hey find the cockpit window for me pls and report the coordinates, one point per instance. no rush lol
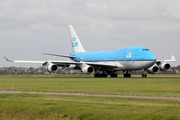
(146, 50)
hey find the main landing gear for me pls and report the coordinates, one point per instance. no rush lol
(100, 75)
(144, 75)
(114, 75)
(127, 74)
(105, 74)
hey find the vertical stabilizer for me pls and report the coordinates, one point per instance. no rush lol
(76, 44)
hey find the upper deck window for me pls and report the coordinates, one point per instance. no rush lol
(146, 50)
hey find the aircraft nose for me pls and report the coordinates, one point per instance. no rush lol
(152, 57)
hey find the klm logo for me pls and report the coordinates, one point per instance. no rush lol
(74, 43)
(74, 38)
(129, 55)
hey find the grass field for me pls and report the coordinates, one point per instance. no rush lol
(149, 87)
(32, 106)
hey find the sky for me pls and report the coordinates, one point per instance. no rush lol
(29, 28)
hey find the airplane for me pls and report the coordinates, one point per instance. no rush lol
(104, 63)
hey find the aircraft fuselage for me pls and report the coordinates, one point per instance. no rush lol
(132, 58)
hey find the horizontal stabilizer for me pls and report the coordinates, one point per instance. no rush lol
(60, 55)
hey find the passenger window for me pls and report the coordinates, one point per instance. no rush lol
(146, 50)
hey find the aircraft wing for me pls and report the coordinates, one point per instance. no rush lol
(21, 61)
(68, 63)
(169, 60)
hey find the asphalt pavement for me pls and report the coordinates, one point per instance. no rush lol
(94, 95)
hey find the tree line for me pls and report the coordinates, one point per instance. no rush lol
(33, 70)
(69, 70)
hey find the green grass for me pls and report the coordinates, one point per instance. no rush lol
(50, 75)
(36, 106)
(139, 86)
(32, 106)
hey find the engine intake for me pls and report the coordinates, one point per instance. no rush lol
(153, 70)
(165, 67)
(88, 69)
(52, 68)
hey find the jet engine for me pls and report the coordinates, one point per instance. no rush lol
(51, 67)
(165, 67)
(153, 70)
(88, 69)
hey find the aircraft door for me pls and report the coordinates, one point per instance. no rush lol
(132, 59)
(92, 59)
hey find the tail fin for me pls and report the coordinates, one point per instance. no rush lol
(76, 44)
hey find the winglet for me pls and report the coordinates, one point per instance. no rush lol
(8, 59)
(173, 58)
(170, 60)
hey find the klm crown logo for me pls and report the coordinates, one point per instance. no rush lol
(129, 55)
(74, 38)
(74, 43)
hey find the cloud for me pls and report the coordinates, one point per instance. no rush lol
(28, 28)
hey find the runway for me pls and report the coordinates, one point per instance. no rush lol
(103, 77)
(94, 95)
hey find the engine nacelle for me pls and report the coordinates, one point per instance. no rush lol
(165, 67)
(88, 69)
(52, 67)
(153, 70)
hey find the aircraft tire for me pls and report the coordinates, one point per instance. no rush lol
(96, 75)
(127, 75)
(144, 75)
(114, 75)
(104, 75)
(100, 75)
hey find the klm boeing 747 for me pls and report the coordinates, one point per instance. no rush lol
(104, 63)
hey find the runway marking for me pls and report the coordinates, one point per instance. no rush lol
(94, 95)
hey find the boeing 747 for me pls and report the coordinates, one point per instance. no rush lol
(104, 63)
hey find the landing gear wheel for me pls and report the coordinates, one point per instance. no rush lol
(100, 75)
(127, 75)
(144, 75)
(96, 75)
(114, 75)
(104, 75)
